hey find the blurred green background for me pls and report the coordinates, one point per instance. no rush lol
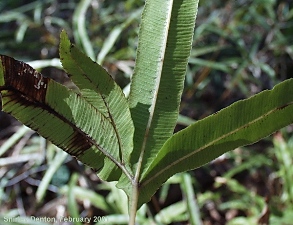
(240, 48)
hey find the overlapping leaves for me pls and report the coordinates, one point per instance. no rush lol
(131, 140)
(94, 125)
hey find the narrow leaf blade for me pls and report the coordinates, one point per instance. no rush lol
(100, 90)
(242, 123)
(165, 39)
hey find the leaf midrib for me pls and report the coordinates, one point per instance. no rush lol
(155, 95)
(108, 110)
(211, 143)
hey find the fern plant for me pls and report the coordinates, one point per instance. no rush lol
(131, 140)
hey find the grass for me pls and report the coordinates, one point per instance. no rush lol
(240, 48)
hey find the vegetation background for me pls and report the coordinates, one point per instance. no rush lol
(240, 48)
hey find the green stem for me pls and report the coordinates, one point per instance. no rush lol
(133, 204)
